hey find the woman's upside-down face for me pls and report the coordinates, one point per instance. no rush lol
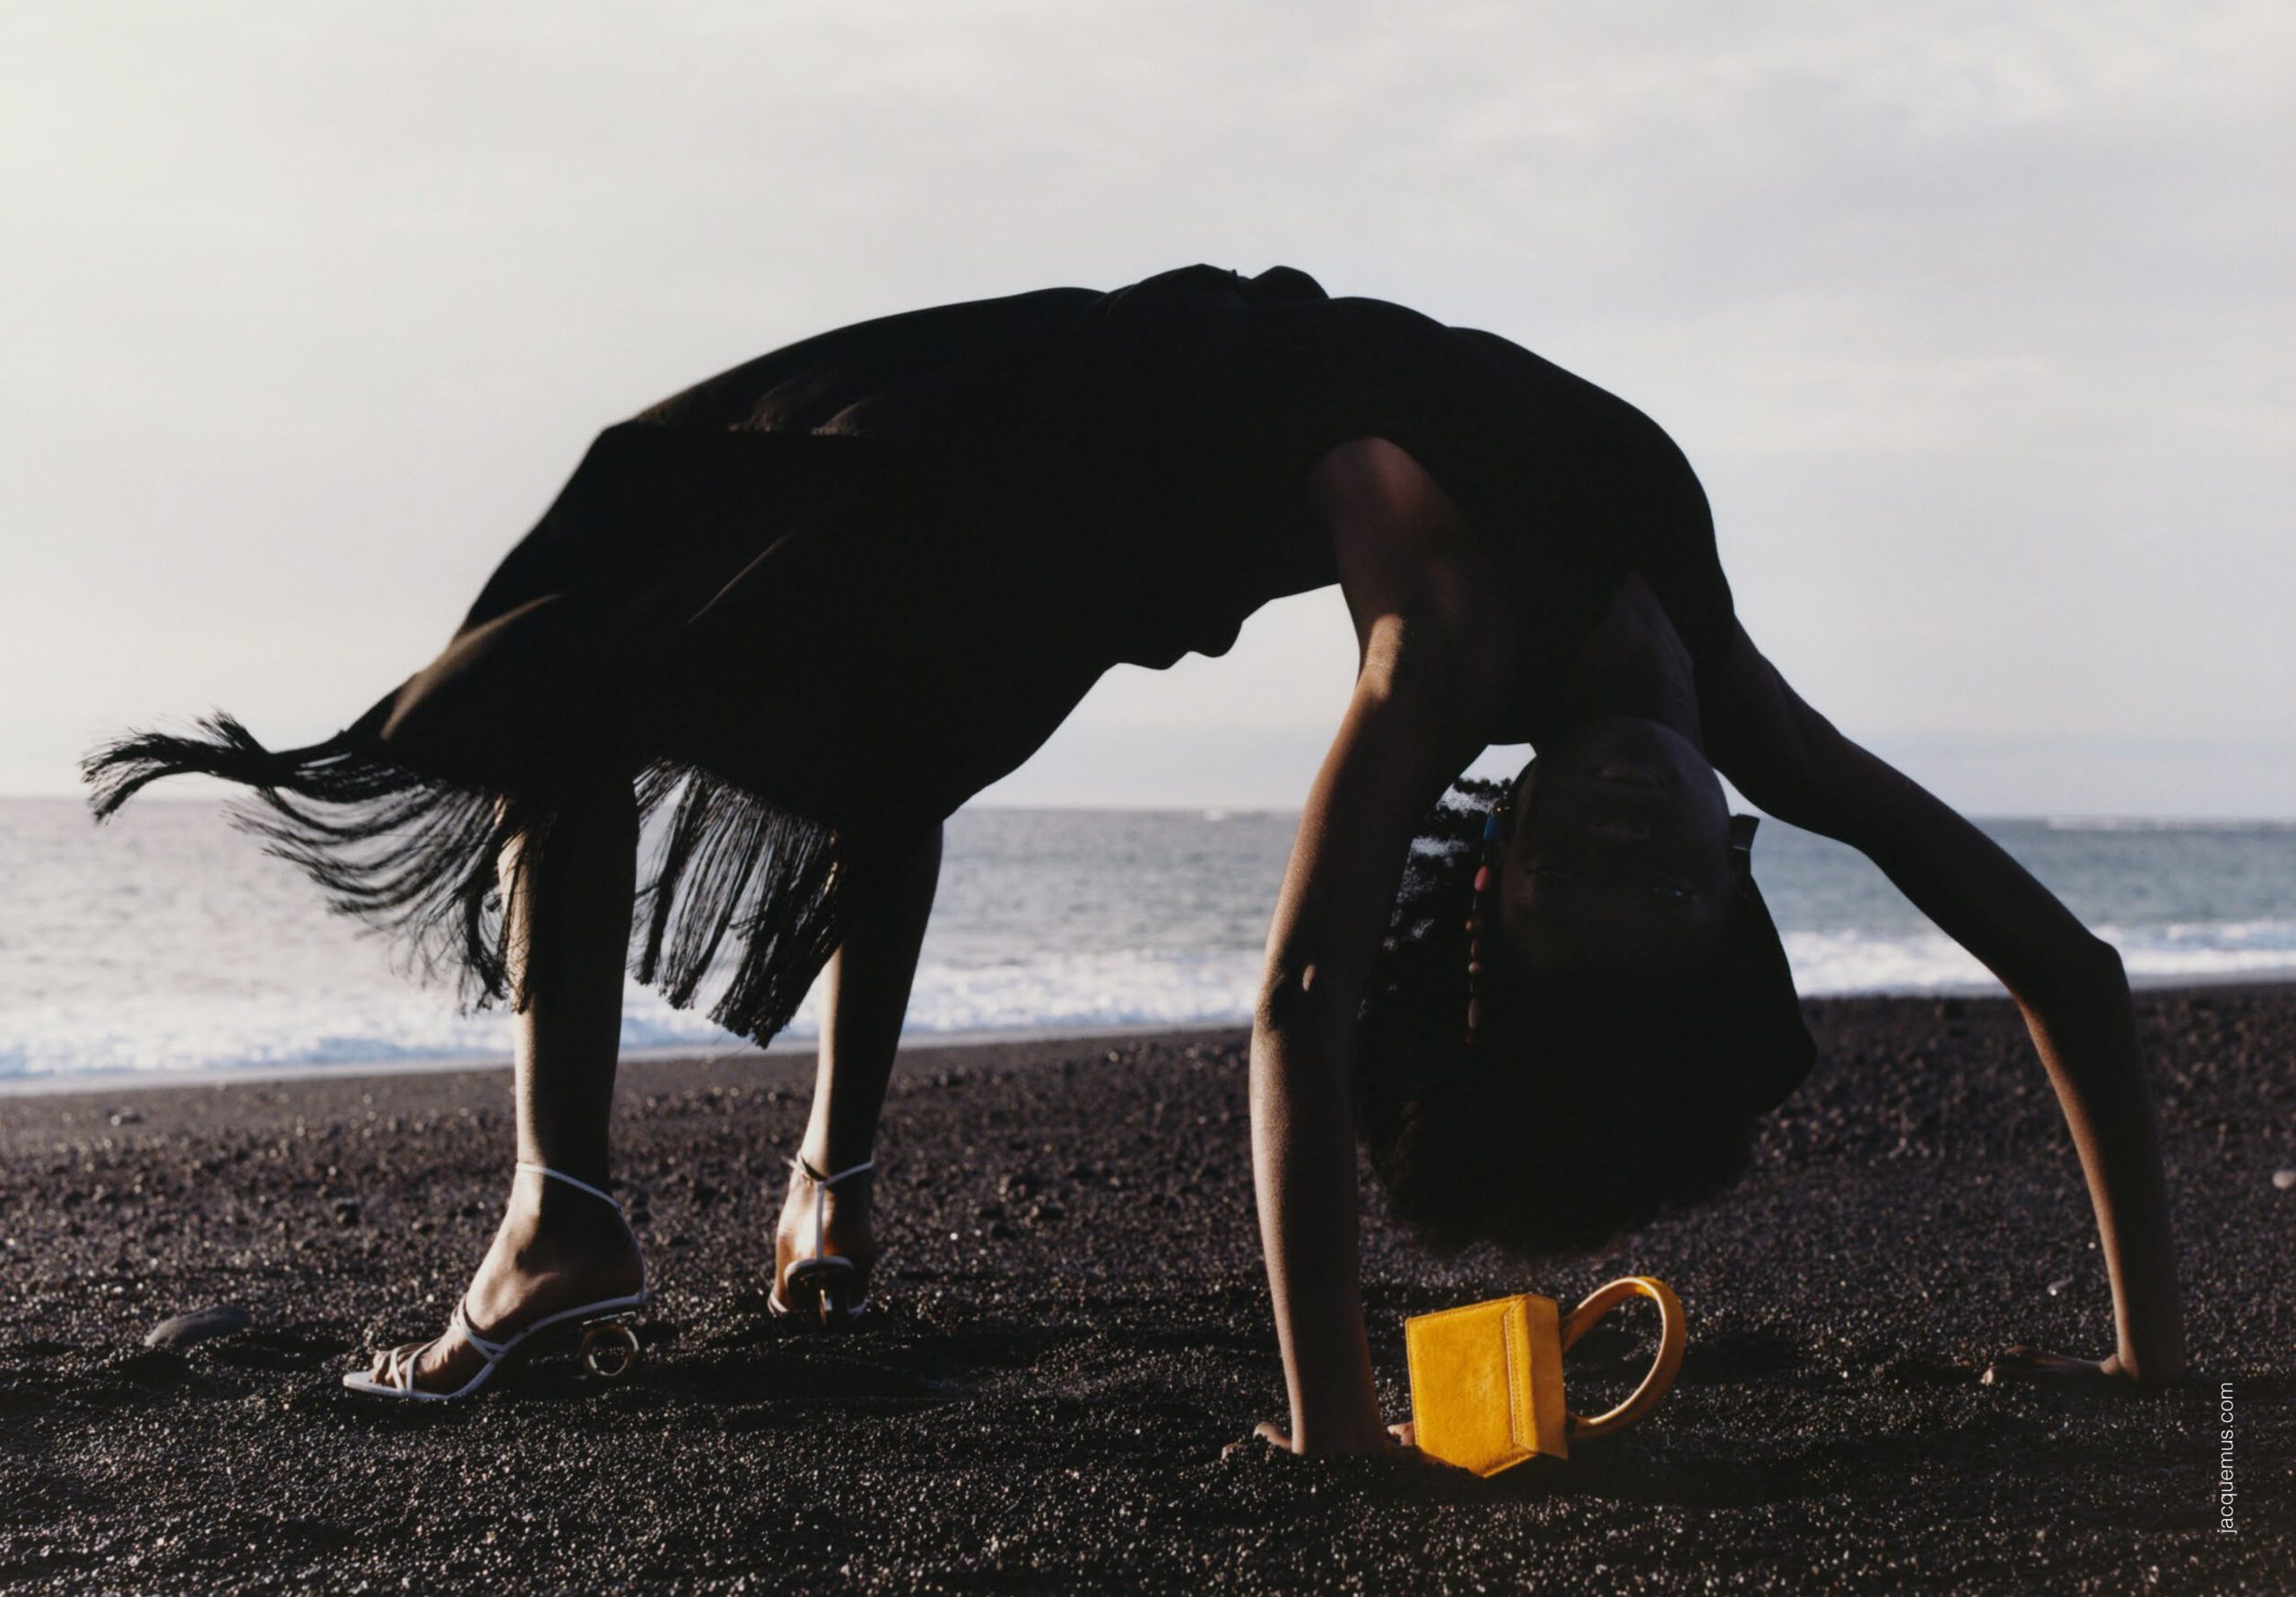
(1616, 862)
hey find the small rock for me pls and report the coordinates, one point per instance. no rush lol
(221, 1319)
(2059, 1285)
(127, 1117)
(346, 1211)
(2284, 1179)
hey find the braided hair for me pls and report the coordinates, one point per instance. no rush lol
(1622, 1107)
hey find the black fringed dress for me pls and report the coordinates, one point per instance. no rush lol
(811, 606)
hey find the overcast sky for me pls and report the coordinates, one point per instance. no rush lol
(1975, 320)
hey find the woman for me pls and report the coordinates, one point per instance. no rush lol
(797, 615)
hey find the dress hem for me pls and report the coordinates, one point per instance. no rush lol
(415, 857)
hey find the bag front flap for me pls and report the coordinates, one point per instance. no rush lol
(1480, 1399)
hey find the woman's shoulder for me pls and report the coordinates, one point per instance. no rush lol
(1544, 388)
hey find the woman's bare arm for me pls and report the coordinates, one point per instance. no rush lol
(1432, 658)
(2069, 984)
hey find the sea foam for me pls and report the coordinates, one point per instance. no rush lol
(168, 943)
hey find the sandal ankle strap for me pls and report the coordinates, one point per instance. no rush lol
(818, 1179)
(606, 1198)
(578, 1185)
(822, 1184)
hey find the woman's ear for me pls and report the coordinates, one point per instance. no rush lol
(1518, 793)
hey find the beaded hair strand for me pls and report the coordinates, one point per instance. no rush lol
(1479, 912)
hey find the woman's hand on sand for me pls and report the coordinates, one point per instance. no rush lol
(1397, 1441)
(2037, 1367)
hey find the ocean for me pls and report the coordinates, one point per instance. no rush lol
(165, 942)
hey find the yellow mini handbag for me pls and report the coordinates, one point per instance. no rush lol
(1486, 1380)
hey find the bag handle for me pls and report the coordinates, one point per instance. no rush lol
(1674, 1336)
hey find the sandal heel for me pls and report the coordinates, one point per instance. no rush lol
(841, 1299)
(831, 1287)
(610, 1348)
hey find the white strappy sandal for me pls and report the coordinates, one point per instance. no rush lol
(609, 1341)
(833, 1278)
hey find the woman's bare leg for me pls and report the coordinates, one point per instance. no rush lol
(568, 1037)
(864, 996)
(558, 1247)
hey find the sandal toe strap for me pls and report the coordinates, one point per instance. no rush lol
(489, 1350)
(398, 1365)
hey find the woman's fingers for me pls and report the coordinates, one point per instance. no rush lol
(2038, 1366)
(1400, 1436)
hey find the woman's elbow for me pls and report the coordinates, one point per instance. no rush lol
(2077, 976)
(2102, 967)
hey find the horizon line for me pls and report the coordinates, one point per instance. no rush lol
(2102, 820)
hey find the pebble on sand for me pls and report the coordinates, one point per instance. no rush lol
(2284, 1179)
(2057, 1286)
(221, 1319)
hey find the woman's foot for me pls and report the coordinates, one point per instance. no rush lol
(826, 1212)
(557, 1248)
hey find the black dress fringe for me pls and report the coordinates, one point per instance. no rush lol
(419, 860)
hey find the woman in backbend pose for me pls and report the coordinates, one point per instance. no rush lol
(794, 616)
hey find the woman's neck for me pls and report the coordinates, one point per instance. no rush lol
(1634, 663)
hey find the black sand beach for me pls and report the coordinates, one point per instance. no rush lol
(1075, 1328)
